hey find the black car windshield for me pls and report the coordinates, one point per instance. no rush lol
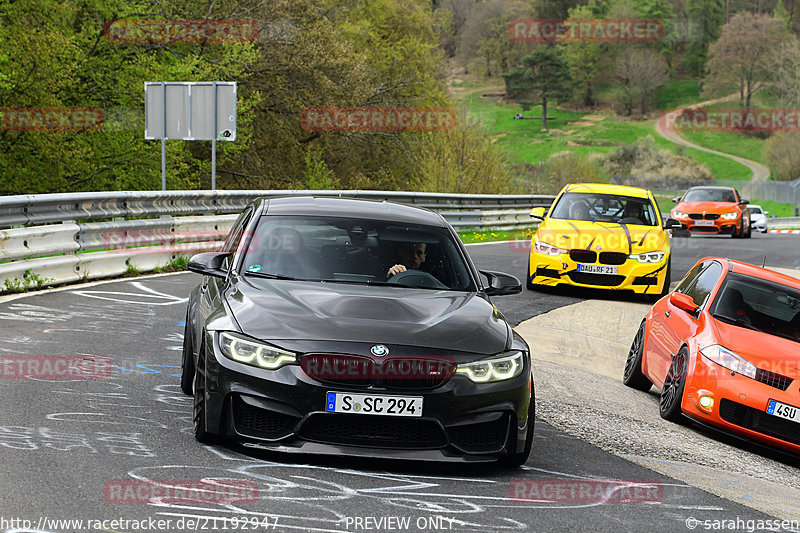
(758, 304)
(709, 195)
(346, 250)
(605, 208)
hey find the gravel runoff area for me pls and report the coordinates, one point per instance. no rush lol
(579, 353)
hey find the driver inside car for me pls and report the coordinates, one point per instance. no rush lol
(410, 255)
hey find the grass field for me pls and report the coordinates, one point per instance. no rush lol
(582, 133)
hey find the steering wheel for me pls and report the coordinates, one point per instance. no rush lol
(417, 278)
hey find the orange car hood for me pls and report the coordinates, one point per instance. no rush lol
(769, 352)
(708, 207)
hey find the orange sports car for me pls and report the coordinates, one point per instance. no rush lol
(713, 210)
(724, 349)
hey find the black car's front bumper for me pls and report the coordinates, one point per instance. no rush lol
(284, 410)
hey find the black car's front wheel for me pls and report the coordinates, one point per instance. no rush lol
(199, 411)
(633, 376)
(519, 459)
(187, 361)
(672, 391)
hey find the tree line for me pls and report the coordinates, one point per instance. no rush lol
(346, 53)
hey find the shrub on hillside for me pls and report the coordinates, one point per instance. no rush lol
(459, 160)
(782, 155)
(642, 159)
(561, 168)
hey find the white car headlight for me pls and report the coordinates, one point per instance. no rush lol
(726, 358)
(250, 352)
(505, 366)
(649, 257)
(547, 249)
(729, 216)
(679, 214)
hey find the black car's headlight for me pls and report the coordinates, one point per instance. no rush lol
(251, 352)
(507, 365)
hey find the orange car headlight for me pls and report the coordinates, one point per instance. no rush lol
(727, 359)
(730, 216)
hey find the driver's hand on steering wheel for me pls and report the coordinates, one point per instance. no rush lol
(396, 269)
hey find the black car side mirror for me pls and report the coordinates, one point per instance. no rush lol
(744, 202)
(676, 200)
(209, 264)
(501, 283)
(671, 223)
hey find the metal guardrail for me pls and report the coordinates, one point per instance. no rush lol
(62, 238)
(783, 223)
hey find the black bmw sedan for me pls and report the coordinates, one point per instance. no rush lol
(339, 326)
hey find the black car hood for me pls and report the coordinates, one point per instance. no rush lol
(299, 310)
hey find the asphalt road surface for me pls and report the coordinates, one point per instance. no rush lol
(75, 450)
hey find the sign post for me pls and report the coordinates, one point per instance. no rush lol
(190, 111)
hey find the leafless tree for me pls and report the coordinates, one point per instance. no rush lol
(741, 56)
(639, 72)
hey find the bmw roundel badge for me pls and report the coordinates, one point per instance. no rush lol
(379, 350)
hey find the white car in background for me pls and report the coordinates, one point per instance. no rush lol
(758, 218)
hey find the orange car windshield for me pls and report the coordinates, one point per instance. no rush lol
(709, 195)
(760, 305)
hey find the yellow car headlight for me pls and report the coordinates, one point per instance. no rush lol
(649, 257)
(547, 249)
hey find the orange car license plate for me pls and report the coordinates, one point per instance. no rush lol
(782, 410)
(703, 222)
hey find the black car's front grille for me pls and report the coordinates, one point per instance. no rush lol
(371, 430)
(582, 256)
(261, 423)
(760, 421)
(604, 280)
(772, 379)
(613, 258)
(395, 373)
(484, 437)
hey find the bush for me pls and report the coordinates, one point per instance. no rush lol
(643, 160)
(459, 160)
(550, 176)
(782, 155)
